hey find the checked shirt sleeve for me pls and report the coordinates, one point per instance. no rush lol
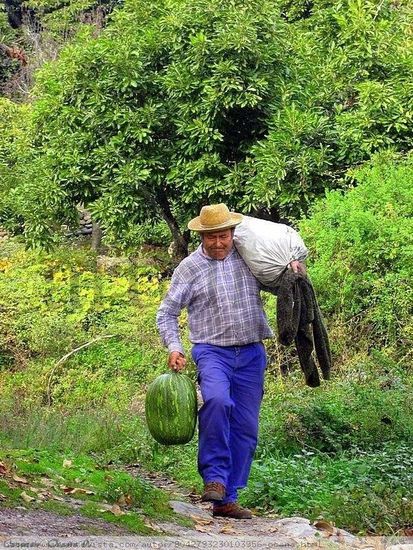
(177, 297)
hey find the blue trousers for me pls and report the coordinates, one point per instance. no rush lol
(231, 380)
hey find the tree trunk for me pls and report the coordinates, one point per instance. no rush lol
(96, 236)
(180, 239)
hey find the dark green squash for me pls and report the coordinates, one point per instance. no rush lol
(171, 408)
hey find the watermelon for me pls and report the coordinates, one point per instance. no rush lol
(171, 408)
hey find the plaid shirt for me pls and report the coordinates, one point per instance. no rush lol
(223, 302)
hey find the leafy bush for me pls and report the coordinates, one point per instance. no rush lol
(8, 35)
(371, 407)
(53, 304)
(177, 103)
(357, 490)
(361, 246)
(14, 151)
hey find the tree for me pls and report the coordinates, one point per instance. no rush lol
(149, 119)
(8, 36)
(177, 103)
(349, 95)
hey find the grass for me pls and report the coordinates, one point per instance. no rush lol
(324, 452)
(47, 480)
(328, 451)
(363, 492)
(341, 451)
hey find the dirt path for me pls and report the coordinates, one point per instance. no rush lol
(23, 527)
(41, 523)
(276, 532)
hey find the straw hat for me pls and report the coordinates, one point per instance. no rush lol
(214, 218)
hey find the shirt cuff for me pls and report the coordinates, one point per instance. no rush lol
(176, 346)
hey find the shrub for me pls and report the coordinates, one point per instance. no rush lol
(361, 246)
(360, 491)
(371, 407)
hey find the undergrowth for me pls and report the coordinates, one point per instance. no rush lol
(48, 480)
(340, 451)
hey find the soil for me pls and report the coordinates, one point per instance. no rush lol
(18, 522)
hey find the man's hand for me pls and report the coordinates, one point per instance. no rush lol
(176, 361)
(298, 267)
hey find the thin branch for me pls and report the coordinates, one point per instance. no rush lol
(65, 357)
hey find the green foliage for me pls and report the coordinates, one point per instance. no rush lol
(176, 103)
(61, 20)
(361, 248)
(147, 233)
(53, 304)
(344, 99)
(142, 124)
(364, 492)
(52, 471)
(7, 33)
(8, 36)
(370, 407)
(14, 152)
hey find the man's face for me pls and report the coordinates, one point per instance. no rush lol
(218, 244)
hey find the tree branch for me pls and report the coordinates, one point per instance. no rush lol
(65, 357)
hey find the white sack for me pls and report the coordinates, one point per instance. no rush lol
(267, 248)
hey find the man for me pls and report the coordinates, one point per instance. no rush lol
(227, 324)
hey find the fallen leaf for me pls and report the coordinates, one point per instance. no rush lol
(228, 530)
(60, 499)
(26, 497)
(201, 521)
(151, 525)
(36, 490)
(340, 538)
(323, 525)
(2, 497)
(3, 469)
(67, 463)
(83, 491)
(116, 510)
(20, 479)
(47, 481)
(41, 493)
(408, 531)
(73, 490)
(124, 500)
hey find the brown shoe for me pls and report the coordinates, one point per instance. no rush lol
(213, 491)
(231, 510)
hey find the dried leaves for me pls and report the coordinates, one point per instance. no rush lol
(325, 526)
(74, 490)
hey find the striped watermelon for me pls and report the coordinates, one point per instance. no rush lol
(171, 408)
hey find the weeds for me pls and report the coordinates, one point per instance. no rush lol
(46, 479)
(341, 451)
